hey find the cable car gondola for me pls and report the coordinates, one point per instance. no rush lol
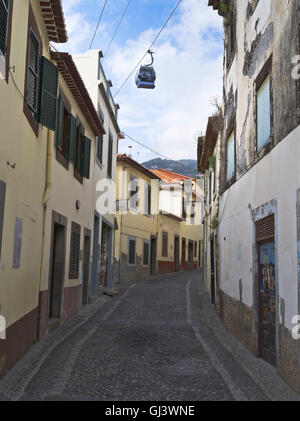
(146, 76)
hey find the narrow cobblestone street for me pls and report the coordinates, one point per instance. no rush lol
(152, 341)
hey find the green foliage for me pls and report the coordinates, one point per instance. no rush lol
(211, 161)
(224, 8)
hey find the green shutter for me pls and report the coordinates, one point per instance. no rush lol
(73, 135)
(68, 135)
(87, 157)
(81, 154)
(48, 94)
(59, 124)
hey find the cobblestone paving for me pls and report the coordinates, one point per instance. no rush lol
(156, 340)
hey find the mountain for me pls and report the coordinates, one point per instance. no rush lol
(187, 167)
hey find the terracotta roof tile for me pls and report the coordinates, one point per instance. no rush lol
(53, 15)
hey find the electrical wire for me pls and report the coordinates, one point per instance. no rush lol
(101, 14)
(149, 49)
(118, 26)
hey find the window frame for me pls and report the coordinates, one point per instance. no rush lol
(128, 259)
(110, 155)
(100, 158)
(261, 78)
(231, 130)
(78, 153)
(32, 27)
(6, 57)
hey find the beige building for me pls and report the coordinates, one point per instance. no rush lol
(28, 84)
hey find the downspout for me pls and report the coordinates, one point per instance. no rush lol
(47, 193)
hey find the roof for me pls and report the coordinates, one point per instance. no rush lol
(210, 141)
(170, 177)
(53, 15)
(69, 71)
(125, 158)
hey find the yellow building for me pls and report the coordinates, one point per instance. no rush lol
(28, 83)
(180, 199)
(137, 219)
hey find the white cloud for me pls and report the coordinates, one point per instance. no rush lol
(188, 63)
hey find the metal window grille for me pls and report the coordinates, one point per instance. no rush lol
(4, 12)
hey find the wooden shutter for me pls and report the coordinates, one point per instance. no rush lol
(100, 149)
(48, 94)
(32, 87)
(265, 229)
(59, 124)
(132, 251)
(74, 251)
(87, 157)
(110, 151)
(73, 135)
(146, 254)
(81, 154)
(4, 11)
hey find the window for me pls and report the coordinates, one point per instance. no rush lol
(133, 192)
(17, 243)
(4, 15)
(5, 29)
(231, 156)
(100, 114)
(131, 251)
(183, 209)
(263, 114)
(41, 82)
(147, 199)
(146, 250)
(195, 249)
(165, 244)
(82, 155)
(74, 251)
(110, 155)
(100, 149)
(2, 206)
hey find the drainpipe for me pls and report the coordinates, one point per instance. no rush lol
(47, 193)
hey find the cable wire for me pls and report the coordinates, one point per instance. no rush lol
(155, 39)
(101, 14)
(118, 26)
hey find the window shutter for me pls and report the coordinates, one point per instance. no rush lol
(81, 154)
(32, 87)
(87, 157)
(4, 8)
(59, 124)
(74, 251)
(110, 150)
(265, 228)
(73, 134)
(48, 94)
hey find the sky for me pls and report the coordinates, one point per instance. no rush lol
(188, 63)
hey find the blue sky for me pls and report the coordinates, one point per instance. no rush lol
(188, 62)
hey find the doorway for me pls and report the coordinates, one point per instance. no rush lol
(212, 270)
(183, 253)
(191, 255)
(106, 269)
(86, 267)
(57, 271)
(95, 280)
(266, 254)
(153, 251)
(176, 253)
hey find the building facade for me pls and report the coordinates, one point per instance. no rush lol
(99, 88)
(28, 85)
(258, 234)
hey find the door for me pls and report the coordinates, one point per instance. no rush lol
(57, 272)
(212, 270)
(86, 269)
(153, 248)
(183, 259)
(267, 301)
(191, 255)
(176, 253)
(95, 283)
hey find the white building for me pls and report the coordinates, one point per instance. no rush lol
(259, 212)
(91, 70)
